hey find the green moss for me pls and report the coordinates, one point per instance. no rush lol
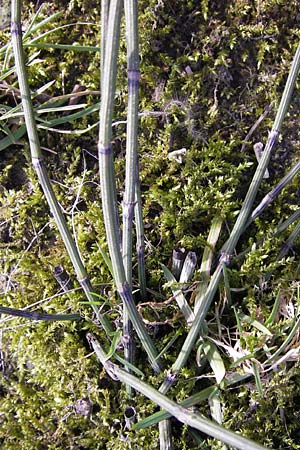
(208, 71)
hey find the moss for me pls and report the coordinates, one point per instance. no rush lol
(208, 71)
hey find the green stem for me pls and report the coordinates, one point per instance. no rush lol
(104, 22)
(107, 178)
(33, 315)
(184, 415)
(140, 237)
(238, 228)
(133, 75)
(38, 161)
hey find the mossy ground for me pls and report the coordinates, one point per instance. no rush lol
(209, 69)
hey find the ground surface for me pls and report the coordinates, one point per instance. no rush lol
(209, 71)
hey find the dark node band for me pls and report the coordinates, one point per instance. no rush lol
(105, 150)
(128, 209)
(38, 163)
(16, 28)
(133, 79)
(134, 75)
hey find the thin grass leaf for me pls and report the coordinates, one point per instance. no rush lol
(13, 138)
(114, 343)
(33, 27)
(215, 407)
(73, 47)
(70, 132)
(258, 325)
(238, 321)
(286, 342)
(200, 397)
(257, 378)
(40, 110)
(129, 366)
(170, 343)
(215, 360)
(207, 258)
(271, 318)
(44, 88)
(71, 117)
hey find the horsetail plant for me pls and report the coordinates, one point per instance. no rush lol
(270, 197)
(133, 74)
(286, 247)
(132, 192)
(238, 227)
(140, 237)
(107, 180)
(33, 315)
(104, 23)
(197, 421)
(39, 166)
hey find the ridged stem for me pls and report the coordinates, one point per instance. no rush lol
(184, 415)
(38, 162)
(140, 237)
(107, 179)
(133, 76)
(204, 305)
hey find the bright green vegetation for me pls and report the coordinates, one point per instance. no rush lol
(209, 71)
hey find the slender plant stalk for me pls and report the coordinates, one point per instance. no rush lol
(140, 237)
(38, 162)
(132, 132)
(104, 23)
(107, 180)
(133, 75)
(238, 228)
(270, 197)
(280, 228)
(290, 241)
(33, 315)
(286, 247)
(184, 415)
